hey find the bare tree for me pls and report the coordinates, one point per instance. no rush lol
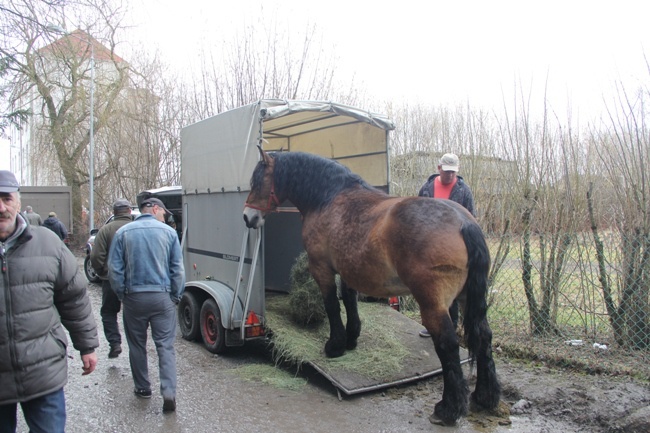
(52, 74)
(265, 62)
(624, 152)
(543, 207)
(10, 12)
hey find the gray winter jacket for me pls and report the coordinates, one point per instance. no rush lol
(41, 291)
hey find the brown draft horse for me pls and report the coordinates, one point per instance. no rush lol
(388, 246)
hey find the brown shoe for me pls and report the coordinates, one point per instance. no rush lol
(169, 405)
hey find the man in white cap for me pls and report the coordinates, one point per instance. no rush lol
(41, 281)
(446, 184)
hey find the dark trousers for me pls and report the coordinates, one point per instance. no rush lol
(44, 414)
(110, 307)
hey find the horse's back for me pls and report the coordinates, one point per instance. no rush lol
(383, 244)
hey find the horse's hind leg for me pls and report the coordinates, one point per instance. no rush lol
(455, 391)
(353, 325)
(488, 391)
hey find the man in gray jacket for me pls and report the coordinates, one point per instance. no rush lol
(42, 290)
(99, 261)
(145, 268)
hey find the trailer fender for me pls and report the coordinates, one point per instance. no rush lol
(223, 296)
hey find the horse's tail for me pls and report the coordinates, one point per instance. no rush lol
(478, 262)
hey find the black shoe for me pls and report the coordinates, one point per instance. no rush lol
(115, 351)
(169, 405)
(142, 393)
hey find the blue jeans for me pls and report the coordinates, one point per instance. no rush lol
(44, 414)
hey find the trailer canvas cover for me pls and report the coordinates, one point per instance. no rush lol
(224, 147)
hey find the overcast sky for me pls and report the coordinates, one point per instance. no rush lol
(436, 52)
(440, 51)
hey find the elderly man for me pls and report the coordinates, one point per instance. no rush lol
(145, 268)
(41, 291)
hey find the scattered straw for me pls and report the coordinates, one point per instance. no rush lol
(270, 375)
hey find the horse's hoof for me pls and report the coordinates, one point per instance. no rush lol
(442, 415)
(332, 352)
(501, 410)
(434, 419)
(485, 401)
(351, 344)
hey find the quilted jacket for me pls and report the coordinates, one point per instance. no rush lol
(42, 290)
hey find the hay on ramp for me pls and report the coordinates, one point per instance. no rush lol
(306, 302)
(270, 375)
(379, 352)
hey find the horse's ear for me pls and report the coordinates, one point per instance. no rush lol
(265, 156)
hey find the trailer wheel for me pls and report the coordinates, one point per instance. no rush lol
(212, 331)
(188, 317)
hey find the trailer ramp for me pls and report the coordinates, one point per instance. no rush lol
(355, 372)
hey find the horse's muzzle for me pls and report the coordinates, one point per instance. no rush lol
(253, 218)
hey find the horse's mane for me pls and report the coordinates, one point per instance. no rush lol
(311, 180)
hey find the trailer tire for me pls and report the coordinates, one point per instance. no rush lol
(212, 331)
(189, 310)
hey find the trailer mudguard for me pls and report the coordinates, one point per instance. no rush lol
(223, 296)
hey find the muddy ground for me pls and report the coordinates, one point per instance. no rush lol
(218, 394)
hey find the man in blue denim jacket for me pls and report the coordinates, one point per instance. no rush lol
(145, 269)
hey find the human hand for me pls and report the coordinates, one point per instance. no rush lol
(90, 362)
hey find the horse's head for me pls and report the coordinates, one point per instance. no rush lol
(262, 199)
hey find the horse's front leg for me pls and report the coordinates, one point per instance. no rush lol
(336, 344)
(353, 325)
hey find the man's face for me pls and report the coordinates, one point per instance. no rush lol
(9, 208)
(159, 213)
(446, 177)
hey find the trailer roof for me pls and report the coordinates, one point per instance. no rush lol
(220, 153)
(298, 117)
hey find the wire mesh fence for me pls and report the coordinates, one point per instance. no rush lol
(585, 314)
